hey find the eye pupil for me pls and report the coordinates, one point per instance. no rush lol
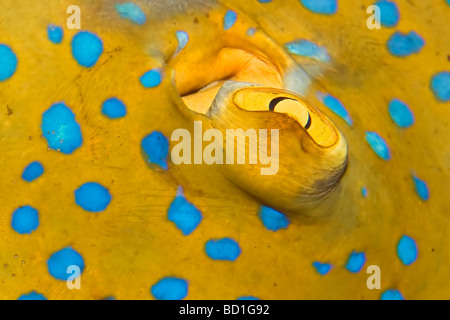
(308, 124)
(303, 117)
(276, 101)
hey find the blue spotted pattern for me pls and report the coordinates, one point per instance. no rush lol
(92, 197)
(229, 20)
(33, 295)
(309, 49)
(391, 294)
(223, 249)
(184, 214)
(389, 13)
(355, 261)
(364, 192)
(327, 7)
(272, 219)
(156, 149)
(400, 113)
(8, 62)
(151, 78)
(402, 45)
(25, 220)
(322, 268)
(87, 48)
(421, 188)
(63, 133)
(114, 108)
(182, 38)
(251, 32)
(248, 298)
(33, 171)
(440, 84)
(60, 129)
(407, 250)
(61, 260)
(337, 107)
(55, 33)
(131, 11)
(170, 288)
(379, 146)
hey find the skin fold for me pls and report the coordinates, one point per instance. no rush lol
(131, 245)
(316, 143)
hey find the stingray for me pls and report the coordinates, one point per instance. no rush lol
(94, 207)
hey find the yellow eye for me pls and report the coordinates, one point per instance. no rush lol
(293, 108)
(317, 125)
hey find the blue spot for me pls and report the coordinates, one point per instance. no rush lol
(151, 78)
(337, 107)
(185, 215)
(223, 249)
(400, 113)
(132, 12)
(8, 62)
(321, 6)
(251, 32)
(421, 188)
(322, 268)
(364, 192)
(229, 19)
(170, 288)
(60, 129)
(61, 260)
(267, 1)
(25, 220)
(308, 49)
(440, 84)
(183, 39)
(356, 261)
(248, 298)
(391, 294)
(33, 171)
(156, 149)
(114, 108)
(55, 33)
(378, 145)
(272, 219)
(32, 296)
(407, 250)
(86, 48)
(389, 13)
(402, 45)
(92, 197)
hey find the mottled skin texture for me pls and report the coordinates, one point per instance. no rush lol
(132, 245)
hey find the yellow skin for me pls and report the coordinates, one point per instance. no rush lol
(131, 245)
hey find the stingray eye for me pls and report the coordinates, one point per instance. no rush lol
(293, 108)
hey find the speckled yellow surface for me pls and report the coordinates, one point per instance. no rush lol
(131, 245)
